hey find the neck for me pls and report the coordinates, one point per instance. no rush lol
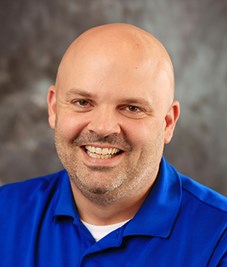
(97, 214)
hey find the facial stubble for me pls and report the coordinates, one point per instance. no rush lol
(106, 185)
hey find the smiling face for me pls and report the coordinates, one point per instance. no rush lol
(112, 111)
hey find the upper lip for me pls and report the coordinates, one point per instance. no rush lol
(102, 146)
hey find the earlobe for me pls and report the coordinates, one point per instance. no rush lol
(51, 101)
(171, 120)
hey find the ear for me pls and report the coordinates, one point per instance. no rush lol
(171, 120)
(51, 101)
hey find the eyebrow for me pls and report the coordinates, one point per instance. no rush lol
(138, 100)
(77, 91)
(131, 100)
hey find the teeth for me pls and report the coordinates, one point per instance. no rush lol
(99, 156)
(101, 153)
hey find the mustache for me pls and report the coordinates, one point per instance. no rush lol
(113, 139)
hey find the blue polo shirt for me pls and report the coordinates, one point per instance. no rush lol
(181, 223)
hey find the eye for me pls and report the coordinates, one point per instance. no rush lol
(82, 102)
(133, 109)
(81, 105)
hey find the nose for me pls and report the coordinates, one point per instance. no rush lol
(104, 122)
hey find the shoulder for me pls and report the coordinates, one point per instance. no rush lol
(203, 196)
(198, 202)
(195, 192)
(31, 188)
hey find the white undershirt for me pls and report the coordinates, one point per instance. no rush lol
(98, 232)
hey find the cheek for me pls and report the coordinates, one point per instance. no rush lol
(69, 125)
(144, 133)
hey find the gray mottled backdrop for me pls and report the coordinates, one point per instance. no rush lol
(34, 35)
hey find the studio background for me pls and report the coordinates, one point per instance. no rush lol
(34, 36)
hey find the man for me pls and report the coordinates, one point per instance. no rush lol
(118, 202)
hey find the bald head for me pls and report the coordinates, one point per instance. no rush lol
(121, 46)
(114, 50)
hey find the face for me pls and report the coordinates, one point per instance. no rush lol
(111, 123)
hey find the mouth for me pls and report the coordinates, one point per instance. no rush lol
(101, 152)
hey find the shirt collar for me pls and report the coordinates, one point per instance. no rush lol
(65, 205)
(158, 213)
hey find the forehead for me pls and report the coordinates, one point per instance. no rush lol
(108, 84)
(121, 68)
(104, 65)
(118, 91)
